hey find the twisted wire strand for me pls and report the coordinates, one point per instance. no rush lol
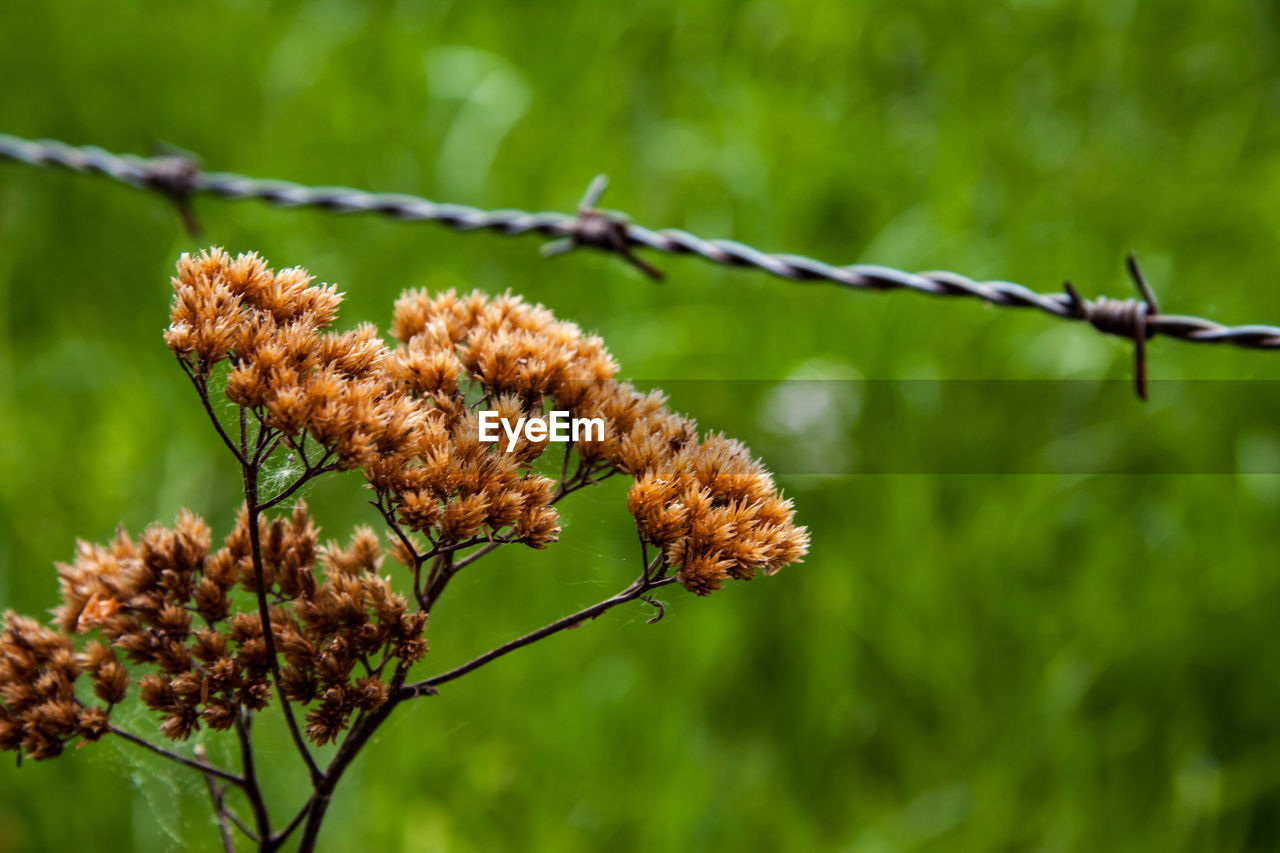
(180, 178)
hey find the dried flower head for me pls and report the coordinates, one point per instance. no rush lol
(208, 636)
(408, 416)
(712, 509)
(203, 674)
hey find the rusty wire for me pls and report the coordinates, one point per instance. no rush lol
(178, 178)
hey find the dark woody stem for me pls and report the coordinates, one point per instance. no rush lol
(314, 811)
(388, 515)
(580, 480)
(203, 767)
(254, 510)
(251, 788)
(324, 782)
(201, 383)
(283, 835)
(217, 796)
(442, 571)
(631, 593)
(351, 746)
(475, 555)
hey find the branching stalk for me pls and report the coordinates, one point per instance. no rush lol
(631, 593)
(264, 612)
(251, 788)
(217, 796)
(203, 767)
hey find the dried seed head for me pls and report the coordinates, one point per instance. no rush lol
(408, 418)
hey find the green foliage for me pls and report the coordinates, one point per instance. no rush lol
(977, 655)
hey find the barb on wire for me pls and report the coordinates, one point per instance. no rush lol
(606, 231)
(1128, 318)
(612, 232)
(173, 176)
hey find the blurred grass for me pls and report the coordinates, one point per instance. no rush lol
(1058, 661)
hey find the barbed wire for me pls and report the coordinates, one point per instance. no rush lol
(179, 177)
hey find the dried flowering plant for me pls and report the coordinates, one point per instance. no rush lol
(213, 636)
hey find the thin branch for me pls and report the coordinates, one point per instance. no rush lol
(281, 836)
(562, 486)
(218, 797)
(580, 480)
(491, 544)
(252, 789)
(631, 593)
(658, 606)
(260, 436)
(240, 825)
(564, 463)
(475, 555)
(264, 614)
(299, 447)
(389, 516)
(355, 740)
(386, 656)
(451, 547)
(299, 483)
(306, 476)
(265, 452)
(644, 552)
(439, 578)
(207, 769)
(202, 390)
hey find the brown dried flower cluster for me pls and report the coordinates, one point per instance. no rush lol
(408, 417)
(210, 637)
(39, 666)
(284, 366)
(713, 509)
(165, 601)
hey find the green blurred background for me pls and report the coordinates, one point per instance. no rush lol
(1075, 652)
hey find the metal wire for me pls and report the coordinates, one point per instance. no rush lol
(179, 178)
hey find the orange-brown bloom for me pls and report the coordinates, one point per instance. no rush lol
(165, 612)
(408, 416)
(713, 509)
